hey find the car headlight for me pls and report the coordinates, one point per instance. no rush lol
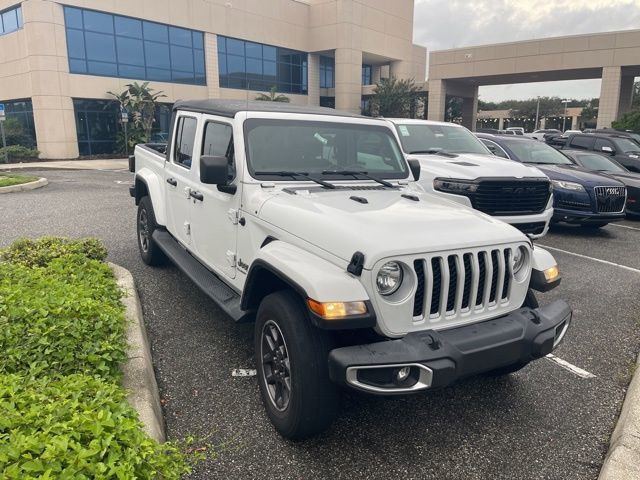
(519, 259)
(389, 278)
(576, 187)
(454, 186)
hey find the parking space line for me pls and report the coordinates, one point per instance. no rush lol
(624, 226)
(606, 262)
(244, 372)
(569, 367)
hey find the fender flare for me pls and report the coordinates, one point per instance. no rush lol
(152, 184)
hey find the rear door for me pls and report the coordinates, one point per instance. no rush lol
(180, 175)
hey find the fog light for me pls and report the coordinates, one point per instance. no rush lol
(402, 374)
(551, 274)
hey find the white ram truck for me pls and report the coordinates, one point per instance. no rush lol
(456, 165)
(307, 222)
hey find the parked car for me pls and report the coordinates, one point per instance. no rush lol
(516, 130)
(580, 197)
(539, 134)
(635, 136)
(306, 221)
(621, 148)
(457, 166)
(596, 162)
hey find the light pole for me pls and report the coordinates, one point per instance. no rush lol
(564, 118)
(535, 127)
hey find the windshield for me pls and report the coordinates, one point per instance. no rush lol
(598, 162)
(531, 151)
(627, 145)
(316, 147)
(424, 137)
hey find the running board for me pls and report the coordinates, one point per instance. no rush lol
(225, 297)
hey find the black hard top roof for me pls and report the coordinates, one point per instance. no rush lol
(229, 108)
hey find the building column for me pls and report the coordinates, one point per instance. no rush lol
(376, 73)
(470, 110)
(575, 122)
(615, 96)
(401, 70)
(211, 62)
(437, 100)
(313, 75)
(543, 123)
(501, 123)
(348, 72)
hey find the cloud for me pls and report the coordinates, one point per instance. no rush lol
(443, 24)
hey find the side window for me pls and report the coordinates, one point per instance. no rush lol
(495, 148)
(581, 142)
(601, 142)
(184, 141)
(218, 141)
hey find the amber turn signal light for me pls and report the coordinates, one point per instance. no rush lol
(331, 310)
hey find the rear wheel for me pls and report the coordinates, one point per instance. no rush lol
(530, 301)
(146, 225)
(293, 373)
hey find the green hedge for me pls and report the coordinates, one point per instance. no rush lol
(62, 340)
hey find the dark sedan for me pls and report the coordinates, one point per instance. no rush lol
(595, 162)
(580, 197)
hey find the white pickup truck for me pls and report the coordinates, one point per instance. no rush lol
(307, 222)
(456, 165)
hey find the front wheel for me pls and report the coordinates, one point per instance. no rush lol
(293, 373)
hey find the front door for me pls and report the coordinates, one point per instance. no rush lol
(179, 176)
(214, 219)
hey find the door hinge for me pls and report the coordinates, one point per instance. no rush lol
(231, 258)
(233, 215)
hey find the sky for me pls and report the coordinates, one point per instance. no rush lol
(443, 24)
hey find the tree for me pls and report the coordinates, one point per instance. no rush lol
(629, 121)
(590, 110)
(635, 103)
(141, 102)
(15, 134)
(272, 96)
(393, 97)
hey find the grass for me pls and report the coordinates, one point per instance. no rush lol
(9, 179)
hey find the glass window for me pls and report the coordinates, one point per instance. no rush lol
(583, 142)
(602, 142)
(250, 65)
(10, 20)
(627, 145)
(327, 68)
(428, 138)
(533, 151)
(322, 147)
(97, 124)
(494, 148)
(20, 114)
(185, 139)
(599, 162)
(127, 47)
(366, 74)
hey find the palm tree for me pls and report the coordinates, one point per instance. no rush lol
(141, 101)
(273, 96)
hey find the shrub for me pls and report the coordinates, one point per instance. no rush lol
(18, 152)
(16, 134)
(77, 427)
(39, 252)
(629, 121)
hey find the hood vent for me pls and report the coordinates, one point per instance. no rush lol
(465, 164)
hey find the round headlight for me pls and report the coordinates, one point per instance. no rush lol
(519, 259)
(389, 278)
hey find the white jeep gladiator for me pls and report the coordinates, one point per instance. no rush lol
(307, 222)
(456, 165)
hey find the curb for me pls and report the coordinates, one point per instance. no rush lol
(623, 459)
(41, 182)
(138, 376)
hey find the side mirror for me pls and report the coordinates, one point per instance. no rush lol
(214, 170)
(608, 150)
(414, 166)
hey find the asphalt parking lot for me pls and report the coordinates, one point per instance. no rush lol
(545, 422)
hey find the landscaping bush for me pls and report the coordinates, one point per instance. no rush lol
(39, 252)
(77, 427)
(18, 152)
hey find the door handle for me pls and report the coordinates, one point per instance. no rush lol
(172, 181)
(196, 195)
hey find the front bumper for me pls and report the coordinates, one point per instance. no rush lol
(535, 225)
(440, 358)
(585, 218)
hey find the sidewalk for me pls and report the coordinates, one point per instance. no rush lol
(113, 164)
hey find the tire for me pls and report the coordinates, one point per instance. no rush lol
(530, 301)
(311, 403)
(145, 226)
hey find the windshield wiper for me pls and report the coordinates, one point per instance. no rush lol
(355, 173)
(286, 173)
(434, 151)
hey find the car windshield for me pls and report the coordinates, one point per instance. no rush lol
(627, 145)
(448, 138)
(598, 162)
(531, 151)
(318, 148)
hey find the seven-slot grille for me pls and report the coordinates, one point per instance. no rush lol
(511, 197)
(462, 282)
(610, 199)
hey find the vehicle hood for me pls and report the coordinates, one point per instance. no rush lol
(468, 166)
(628, 178)
(387, 226)
(574, 173)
